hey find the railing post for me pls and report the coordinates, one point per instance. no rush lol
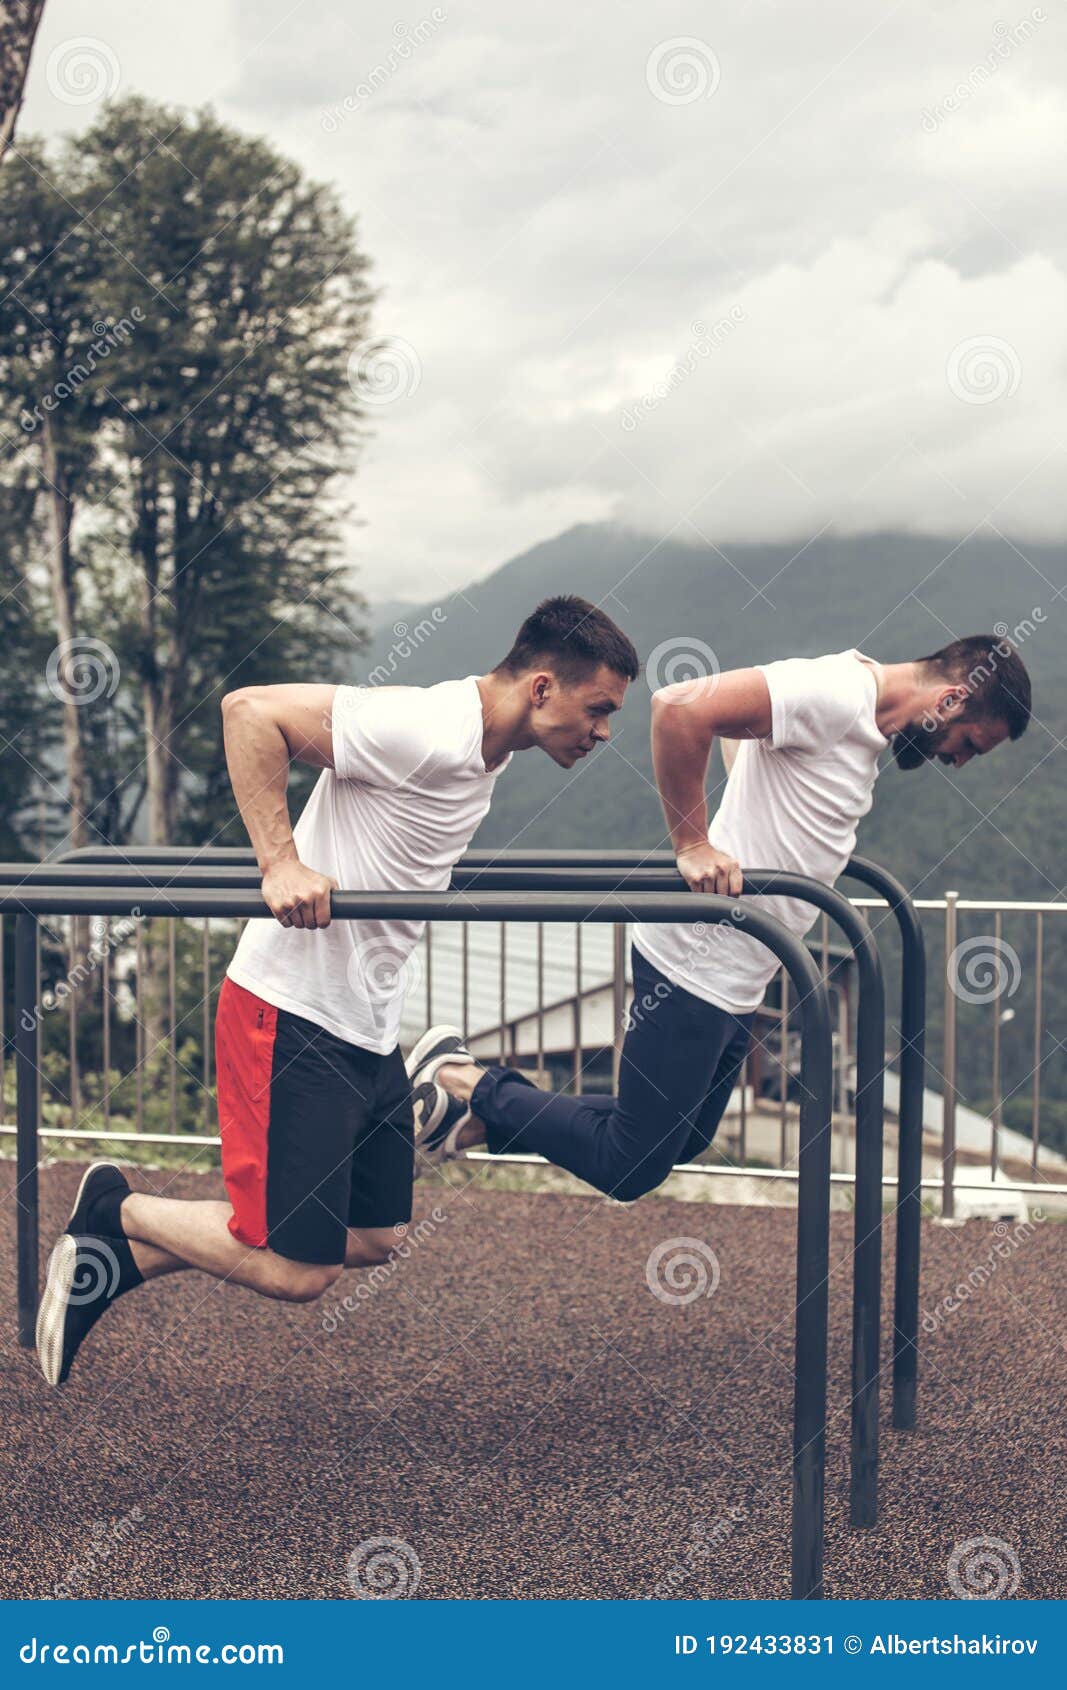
(579, 1051)
(540, 1003)
(994, 1131)
(26, 1069)
(948, 1113)
(1035, 1117)
(618, 999)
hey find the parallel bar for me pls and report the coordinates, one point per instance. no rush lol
(912, 1033)
(909, 1135)
(870, 1086)
(813, 1206)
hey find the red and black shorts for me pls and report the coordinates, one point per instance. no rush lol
(317, 1134)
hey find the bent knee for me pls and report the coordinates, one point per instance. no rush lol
(303, 1282)
(632, 1183)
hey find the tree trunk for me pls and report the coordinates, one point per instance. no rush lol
(18, 27)
(61, 576)
(155, 983)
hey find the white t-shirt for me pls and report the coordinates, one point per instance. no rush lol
(407, 791)
(793, 801)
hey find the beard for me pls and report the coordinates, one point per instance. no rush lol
(915, 745)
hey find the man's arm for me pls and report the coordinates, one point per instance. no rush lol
(265, 729)
(685, 721)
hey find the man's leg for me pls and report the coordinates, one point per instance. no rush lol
(625, 1145)
(713, 1107)
(383, 1169)
(198, 1235)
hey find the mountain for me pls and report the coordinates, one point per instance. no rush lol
(993, 830)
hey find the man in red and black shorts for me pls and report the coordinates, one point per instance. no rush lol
(315, 1107)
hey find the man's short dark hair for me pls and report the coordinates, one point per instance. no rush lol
(994, 675)
(573, 638)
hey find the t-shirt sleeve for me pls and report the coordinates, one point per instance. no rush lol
(815, 701)
(386, 736)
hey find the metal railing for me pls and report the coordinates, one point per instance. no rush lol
(813, 1206)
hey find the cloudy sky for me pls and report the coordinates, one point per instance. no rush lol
(737, 271)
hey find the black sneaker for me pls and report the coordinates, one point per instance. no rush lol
(86, 1273)
(104, 1180)
(437, 1046)
(438, 1120)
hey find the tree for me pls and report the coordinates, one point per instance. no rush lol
(230, 417)
(186, 442)
(48, 277)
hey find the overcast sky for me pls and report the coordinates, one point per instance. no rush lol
(840, 225)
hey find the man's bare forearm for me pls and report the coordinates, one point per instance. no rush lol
(257, 757)
(681, 749)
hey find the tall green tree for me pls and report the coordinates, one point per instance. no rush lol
(180, 307)
(230, 419)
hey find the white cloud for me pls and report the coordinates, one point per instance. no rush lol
(546, 233)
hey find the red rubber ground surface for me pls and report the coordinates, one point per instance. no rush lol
(515, 1405)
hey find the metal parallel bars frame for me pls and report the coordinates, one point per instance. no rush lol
(870, 1075)
(813, 1206)
(912, 1059)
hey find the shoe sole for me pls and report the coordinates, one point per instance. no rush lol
(86, 1176)
(421, 1050)
(52, 1314)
